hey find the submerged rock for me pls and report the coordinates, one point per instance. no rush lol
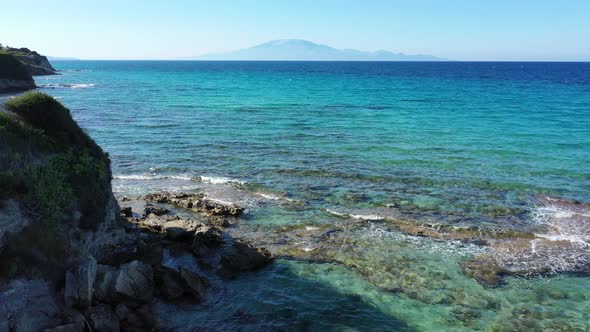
(242, 256)
(196, 202)
(176, 284)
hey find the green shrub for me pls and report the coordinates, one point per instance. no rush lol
(78, 171)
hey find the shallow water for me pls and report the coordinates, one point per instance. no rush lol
(347, 146)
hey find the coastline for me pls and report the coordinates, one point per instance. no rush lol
(465, 269)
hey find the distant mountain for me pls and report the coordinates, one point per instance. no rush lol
(303, 50)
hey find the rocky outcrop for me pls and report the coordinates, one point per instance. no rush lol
(35, 63)
(242, 256)
(196, 202)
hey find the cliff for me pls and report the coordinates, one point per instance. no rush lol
(14, 75)
(69, 259)
(35, 63)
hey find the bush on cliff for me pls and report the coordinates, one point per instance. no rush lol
(72, 171)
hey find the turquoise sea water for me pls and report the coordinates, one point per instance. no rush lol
(466, 144)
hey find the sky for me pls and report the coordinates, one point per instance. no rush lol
(471, 30)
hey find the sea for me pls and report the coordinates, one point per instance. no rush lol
(345, 148)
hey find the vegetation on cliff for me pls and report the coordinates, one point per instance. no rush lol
(35, 63)
(54, 171)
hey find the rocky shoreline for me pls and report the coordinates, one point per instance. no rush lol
(117, 291)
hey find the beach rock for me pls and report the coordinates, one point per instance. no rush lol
(205, 238)
(79, 286)
(175, 284)
(198, 203)
(156, 210)
(103, 319)
(135, 282)
(127, 211)
(241, 256)
(196, 284)
(169, 283)
(28, 305)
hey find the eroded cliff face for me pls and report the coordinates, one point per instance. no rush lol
(56, 203)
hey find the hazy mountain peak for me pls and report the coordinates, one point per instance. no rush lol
(304, 50)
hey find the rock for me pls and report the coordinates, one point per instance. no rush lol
(195, 283)
(127, 211)
(197, 203)
(175, 284)
(169, 283)
(173, 227)
(242, 256)
(66, 328)
(486, 271)
(204, 239)
(80, 284)
(28, 305)
(135, 282)
(156, 210)
(179, 229)
(104, 284)
(103, 319)
(140, 319)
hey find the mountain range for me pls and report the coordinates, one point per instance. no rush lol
(303, 50)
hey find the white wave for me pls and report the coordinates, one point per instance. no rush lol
(71, 86)
(269, 196)
(356, 216)
(218, 180)
(220, 201)
(151, 177)
(311, 228)
(565, 221)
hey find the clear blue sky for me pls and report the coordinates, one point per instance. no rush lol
(150, 29)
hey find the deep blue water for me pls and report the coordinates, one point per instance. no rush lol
(467, 143)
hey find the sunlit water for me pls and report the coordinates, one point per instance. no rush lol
(308, 143)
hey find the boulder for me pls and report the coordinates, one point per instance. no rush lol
(127, 211)
(175, 284)
(104, 284)
(153, 209)
(196, 284)
(204, 239)
(169, 283)
(79, 286)
(28, 305)
(135, 282)
(242, 256)
(103, 319)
